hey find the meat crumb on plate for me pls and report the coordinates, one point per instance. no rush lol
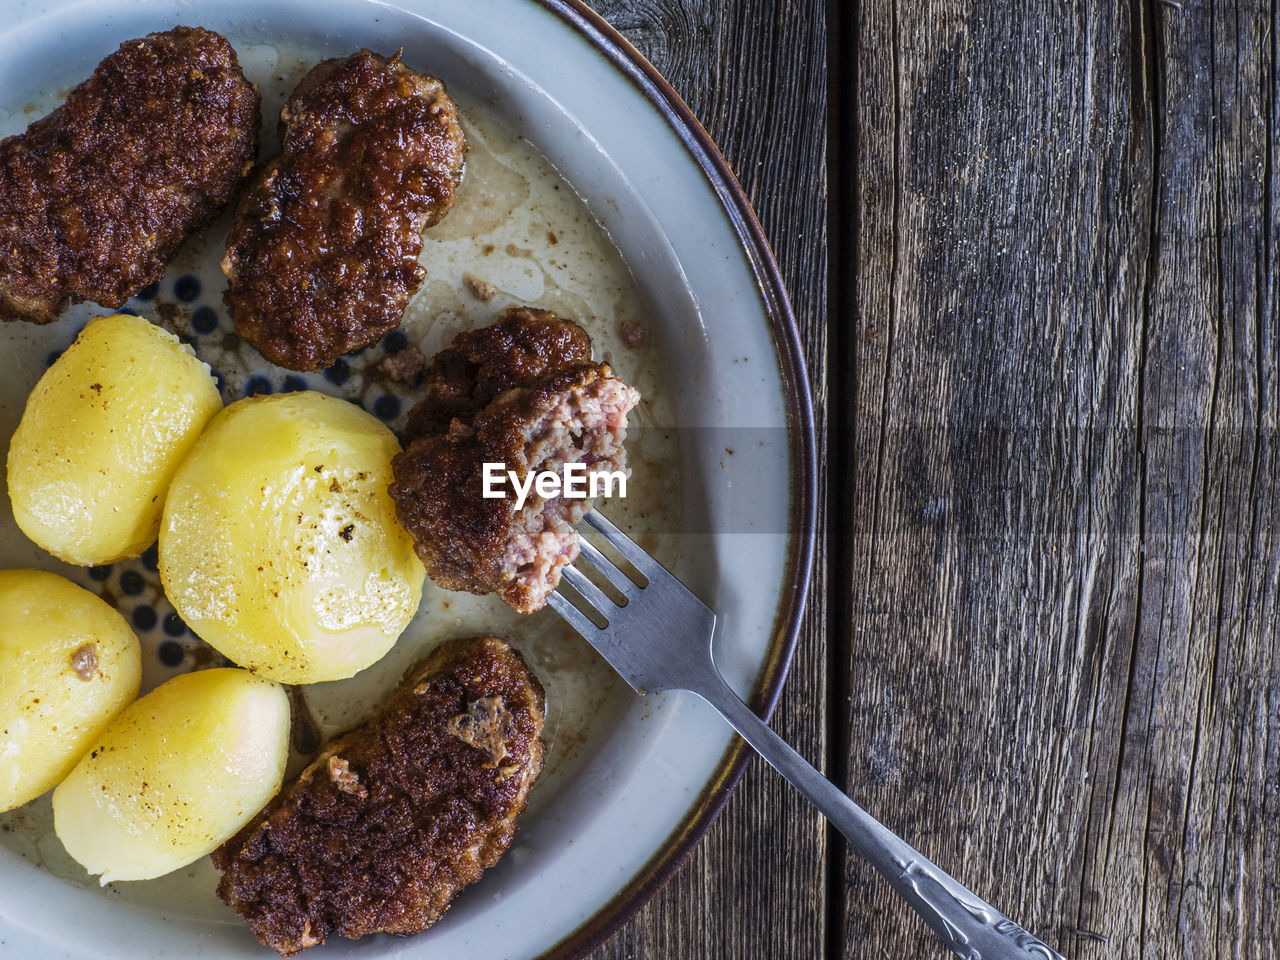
(481, 289)
(405, 366)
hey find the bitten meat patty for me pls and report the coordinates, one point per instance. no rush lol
(323, 255)
(522, 392)
(394, 818)
(96, 197)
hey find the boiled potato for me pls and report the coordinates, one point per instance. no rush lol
(175, 775)
(101, 435)
(279, 543)
(68, 664)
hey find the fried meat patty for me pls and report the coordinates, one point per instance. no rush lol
(323, 255)
(393, 819)
(522, 392)
(96, 197)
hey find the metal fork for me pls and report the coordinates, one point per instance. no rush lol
(661, 640)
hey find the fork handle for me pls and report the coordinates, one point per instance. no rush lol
(970, 926)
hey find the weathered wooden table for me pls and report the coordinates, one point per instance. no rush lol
(1044, 637)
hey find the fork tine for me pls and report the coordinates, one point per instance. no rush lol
(621, 542)
(590, 592)
(607, 568)
(572, 615)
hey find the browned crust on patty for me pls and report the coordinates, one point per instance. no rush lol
(524, 346)
(323, 255)
(499, 394)
(96, 197)
(384, 828)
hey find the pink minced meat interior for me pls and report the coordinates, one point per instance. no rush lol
(588, 426)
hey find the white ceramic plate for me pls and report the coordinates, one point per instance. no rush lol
(632, 782)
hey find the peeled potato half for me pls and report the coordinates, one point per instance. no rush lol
(175, 775)
(100, 437)
(68, 664)
(279, 543)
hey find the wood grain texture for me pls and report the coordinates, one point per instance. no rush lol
(1064, 658)
(1054, 387)
(754, 75)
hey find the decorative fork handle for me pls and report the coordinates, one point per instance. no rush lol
(967, 924)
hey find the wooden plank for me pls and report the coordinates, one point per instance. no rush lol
(1063, 546)
(754, 74)
(1004, 159)
(1191, 823)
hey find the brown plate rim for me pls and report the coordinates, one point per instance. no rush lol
(786, 335)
